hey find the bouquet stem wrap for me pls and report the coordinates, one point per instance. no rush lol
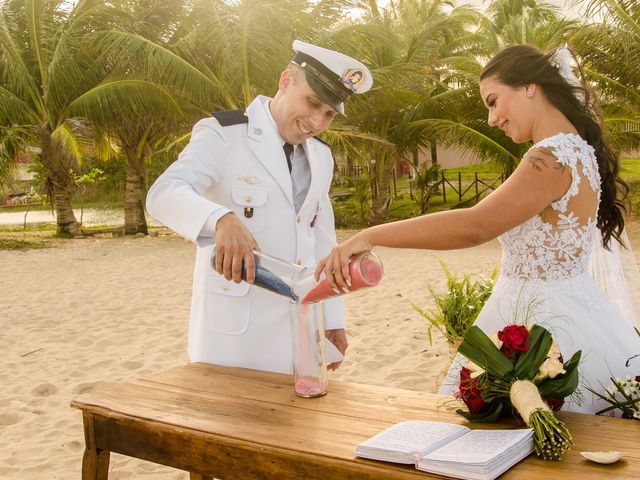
(526, 399)
(551, 436)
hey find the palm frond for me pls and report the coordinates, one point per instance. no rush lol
(465, 137)
(73, 146)
(118, 98)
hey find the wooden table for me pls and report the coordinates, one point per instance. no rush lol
(233, 423)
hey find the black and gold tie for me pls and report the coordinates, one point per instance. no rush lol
(288, 150)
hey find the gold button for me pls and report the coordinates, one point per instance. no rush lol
(247, 199)
(299, 262)
(225, 287)
(298, 220)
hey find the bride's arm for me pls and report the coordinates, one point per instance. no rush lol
(535, 184)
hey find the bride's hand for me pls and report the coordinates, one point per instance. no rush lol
(336, 264)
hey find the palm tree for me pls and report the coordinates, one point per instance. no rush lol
(400, 45)
(610, 50)
(54, 79)
(140, 50)
(456, 117)
(39, 52)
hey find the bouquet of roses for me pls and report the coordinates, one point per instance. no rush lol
(520, 370)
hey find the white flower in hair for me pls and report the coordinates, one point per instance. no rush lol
(563, 60)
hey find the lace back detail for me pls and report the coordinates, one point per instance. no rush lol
(560, 248)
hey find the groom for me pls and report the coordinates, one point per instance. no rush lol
(259, 179)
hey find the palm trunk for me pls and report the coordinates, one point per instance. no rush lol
(134, 218)
(434, 153)
(380, 198)
(61, 186)
(66, 222)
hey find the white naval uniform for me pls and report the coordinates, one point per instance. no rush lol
(242, 168)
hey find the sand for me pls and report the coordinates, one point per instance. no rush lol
(83, 313)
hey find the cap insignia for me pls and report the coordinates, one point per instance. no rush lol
(353, 77)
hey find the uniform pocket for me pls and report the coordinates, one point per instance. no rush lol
(228, 305)
(250, 204)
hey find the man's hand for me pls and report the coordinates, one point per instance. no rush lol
(234, 245)
(339, 338)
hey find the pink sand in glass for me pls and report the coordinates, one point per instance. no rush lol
(306, 387)
(365, 270)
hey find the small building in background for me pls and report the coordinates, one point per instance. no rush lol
(19, 188)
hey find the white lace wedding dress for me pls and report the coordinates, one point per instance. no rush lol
(544, 280)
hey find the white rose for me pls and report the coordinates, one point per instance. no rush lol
(551, 368)
(554, 350)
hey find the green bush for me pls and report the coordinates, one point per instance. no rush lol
(458, 307)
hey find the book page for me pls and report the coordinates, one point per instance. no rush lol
(477, 446)
(415, 436)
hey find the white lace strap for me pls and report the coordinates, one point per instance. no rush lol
(570, 151)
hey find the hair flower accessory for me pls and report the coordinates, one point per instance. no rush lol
(563, 60)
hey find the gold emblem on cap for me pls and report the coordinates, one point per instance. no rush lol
(352, 78)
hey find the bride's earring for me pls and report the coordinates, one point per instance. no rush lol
(529, 93)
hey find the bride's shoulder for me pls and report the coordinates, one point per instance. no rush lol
(566, 148)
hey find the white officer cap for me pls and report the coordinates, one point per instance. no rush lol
(333, 76)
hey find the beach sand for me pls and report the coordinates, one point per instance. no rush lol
(84, 313)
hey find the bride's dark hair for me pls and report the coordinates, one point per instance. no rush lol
(523, 64)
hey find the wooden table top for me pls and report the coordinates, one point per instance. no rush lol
(260, 424)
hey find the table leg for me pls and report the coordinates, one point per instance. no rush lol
(95, 464)
(95, 461)
(197, 476)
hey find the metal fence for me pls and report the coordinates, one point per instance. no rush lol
(452, 185)
(481, 185)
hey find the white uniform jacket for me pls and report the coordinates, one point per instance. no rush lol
(243, 168)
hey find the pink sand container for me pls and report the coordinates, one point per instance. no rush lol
(305, 387)
(365, 270)
(309, 358)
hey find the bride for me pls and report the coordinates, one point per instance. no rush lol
(563, 203)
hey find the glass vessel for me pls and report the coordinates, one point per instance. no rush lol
(308, 348)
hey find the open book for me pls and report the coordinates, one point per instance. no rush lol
(449, 449)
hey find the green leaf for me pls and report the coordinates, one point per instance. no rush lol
(489, 413)
(565, 384)
(529, 362)
(479, 348)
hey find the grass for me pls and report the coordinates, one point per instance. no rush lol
(16, 244)
(93, 204)
(630, 172)
(31, 227)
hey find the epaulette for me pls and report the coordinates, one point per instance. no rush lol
(231, 117)
(322, 141)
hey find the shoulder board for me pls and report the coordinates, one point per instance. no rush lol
(231, 117)
(322, 141)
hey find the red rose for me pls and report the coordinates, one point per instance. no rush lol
(554, 403)
(514, 339)
(637, 378)
(470, 391)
